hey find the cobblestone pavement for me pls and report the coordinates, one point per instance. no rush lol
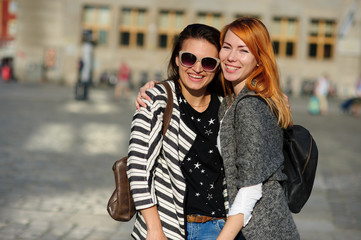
(56, 156)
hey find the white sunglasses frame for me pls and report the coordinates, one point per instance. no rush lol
(198, 60)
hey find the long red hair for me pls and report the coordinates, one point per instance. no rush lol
(264, 80)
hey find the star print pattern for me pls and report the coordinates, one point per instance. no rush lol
(202, 166)
(209, 132)
(197, 165)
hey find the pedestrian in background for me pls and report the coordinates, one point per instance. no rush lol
(356, 107)
(122, 86)
(352, 105)
(5, 72)
(321, 91)
(85, 68)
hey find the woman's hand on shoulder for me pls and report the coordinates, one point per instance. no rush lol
(143, 95)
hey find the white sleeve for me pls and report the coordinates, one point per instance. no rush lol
(245, 200)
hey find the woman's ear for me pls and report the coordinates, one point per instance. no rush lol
(177, 60)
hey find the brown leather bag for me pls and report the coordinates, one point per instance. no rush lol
(121, 204)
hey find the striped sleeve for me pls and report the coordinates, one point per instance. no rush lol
(144, 147)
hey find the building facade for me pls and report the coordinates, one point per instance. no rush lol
(310, 37)
(8, 10)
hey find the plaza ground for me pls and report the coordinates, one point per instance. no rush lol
(56, 155)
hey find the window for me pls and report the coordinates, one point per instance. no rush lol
(132, 27)
(321, 39)
(163, 41)
(213, 19)
(140, 39)
(248, 15)
(96, 23)
(170, 24)
(312, 50)
(284, 33)
(125, 38)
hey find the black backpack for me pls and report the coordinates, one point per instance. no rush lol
(301, 157)
(300, 164)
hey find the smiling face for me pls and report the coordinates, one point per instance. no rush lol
(195, 79)
(237, 61)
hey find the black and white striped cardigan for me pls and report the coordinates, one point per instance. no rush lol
(154, 164)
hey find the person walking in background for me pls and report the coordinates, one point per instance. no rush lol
(352, 105)
(358, 87)
(321, 91)
(356, 104)
(122, 86)
(6, 72)
(85, 68)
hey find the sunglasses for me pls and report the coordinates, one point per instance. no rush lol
(188, 59)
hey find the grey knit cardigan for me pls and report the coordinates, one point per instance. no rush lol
(251, 146)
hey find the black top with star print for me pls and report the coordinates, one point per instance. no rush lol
(202, 166)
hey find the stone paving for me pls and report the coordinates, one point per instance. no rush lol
(56, 156)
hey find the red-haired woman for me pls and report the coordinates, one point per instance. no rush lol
(250, 138)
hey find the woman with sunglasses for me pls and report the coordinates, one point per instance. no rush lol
(177, 180)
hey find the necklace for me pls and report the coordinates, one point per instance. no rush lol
(199, 105)
(203, 105)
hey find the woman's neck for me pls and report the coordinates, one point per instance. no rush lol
(238, 86)
(198, 99)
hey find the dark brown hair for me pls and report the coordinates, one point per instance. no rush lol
(195, 31)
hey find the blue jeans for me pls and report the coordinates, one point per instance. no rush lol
(207, 231)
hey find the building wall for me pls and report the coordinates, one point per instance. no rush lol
(39, 28)
(7, 27)
(45, 26)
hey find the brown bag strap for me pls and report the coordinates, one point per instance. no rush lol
(169, 108)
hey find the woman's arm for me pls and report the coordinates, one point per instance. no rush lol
(154, 226)
(232, 227)
(142, 95)
(259, 142)
(144, 147)
(143, 150)
(241, 210)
